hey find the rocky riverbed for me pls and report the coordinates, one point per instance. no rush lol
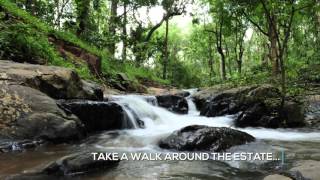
(52, 120)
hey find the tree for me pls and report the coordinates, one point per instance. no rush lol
(113, 22)
(221, 23)
(124, 31)
(277, 26)
(83, 9)
(239, 26)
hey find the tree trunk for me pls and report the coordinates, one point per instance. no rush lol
(29, 6)
(273, 46)
(210, 59)
(83, 7)
(223, 67)
(112, 27)
(166, 54)
(124, 32)
(228, 59)
(265, 54)
(239, 63)
(222, 64)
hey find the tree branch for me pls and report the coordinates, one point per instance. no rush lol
(255, 24)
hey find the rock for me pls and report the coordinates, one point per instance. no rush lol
(313, 111)
(177, 104)
(122, 77)
(94, 89)
(257, 106)
(295, 175)
(295, 114)
(255, 116)
(73, 165)
(158, 90)
(6, 146)
(230, 101)
(204, 95)
(26, 113)
(151, 100)
(98, 116)
(122, 82)
(308, 168)
(182, 93)
(276, 177)
(198, 138)
(77, 163)
(56, 82)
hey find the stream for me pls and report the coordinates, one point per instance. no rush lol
(298, 144)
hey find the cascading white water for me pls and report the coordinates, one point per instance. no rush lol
(192, 107)
(159, 121)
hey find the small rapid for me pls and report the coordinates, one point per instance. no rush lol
(160, 122)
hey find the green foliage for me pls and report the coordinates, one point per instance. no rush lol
(22, 43)
(194, 54)
(28, 39)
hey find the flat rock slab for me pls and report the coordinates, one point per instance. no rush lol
(56, 82)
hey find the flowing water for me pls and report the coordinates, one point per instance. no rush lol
(297, 144)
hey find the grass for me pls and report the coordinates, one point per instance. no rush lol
(33, 34)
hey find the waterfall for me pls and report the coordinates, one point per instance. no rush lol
(158, 121)
(191, 105)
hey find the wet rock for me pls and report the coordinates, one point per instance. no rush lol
(56, 82)
(197, 138)
(174, 103)
(98, 116)
(257, 106)
(308, 168)
(77, 163)
(151, 100)
(26, 113)
(73, 165)
(7, 145)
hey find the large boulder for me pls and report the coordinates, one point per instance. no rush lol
(57, 82)
(174, 103)
(71, 165)
(26, 113)
(206, 94)
(98, 116)
(198, 138)
(308, 168)
(224, 102)
(313, 111)
(257, 106)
